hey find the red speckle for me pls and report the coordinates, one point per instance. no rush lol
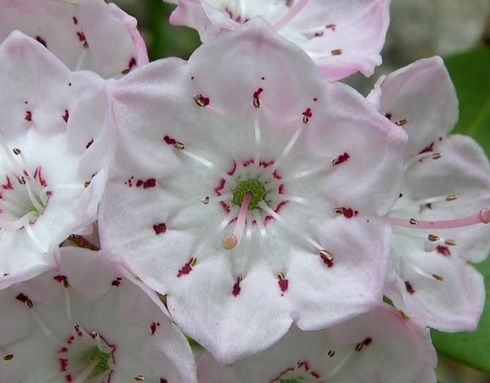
(66, 115)
(24, 299)
(149, 183)
(41, 40)
(315, 99)
(280, 206)
(160, 228)
(388, 116)
(276, 175)
(341, 159)
(163, 381)
(349, 213)
(63, 364)
(28, 116)
(75, 20)
(61, 279)
(315, 374)
(264, 164)
(192, 78)
(236, 288)
(169, 140)
(409, 287)
(258, 92)
(232, 171)
(70, 339)
(326, 260)
(186, 269)
(428, 149)
(69, 84)
(319, 34)
(428, 205)
(89, 143)
(443, 250)
(69, 378)
(220, 187)
(266, 220)
(262, 78)
(308, 113)
(281, 189)
(248, 163)
(225, 206)
(283, 284)
(81, 36)
(116, 282)
(132, 63)
(62, 350)
(154, 327)
(8, 185)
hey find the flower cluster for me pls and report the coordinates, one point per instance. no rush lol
(244, 198)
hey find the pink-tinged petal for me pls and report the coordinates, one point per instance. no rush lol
(439, 290)
(84, 34)
(421, 98)
(49, 188)
(377, 347)
(230, 168)
(437, 221)
(341, 37)
(70, 330)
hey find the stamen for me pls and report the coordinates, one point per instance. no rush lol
(88, 370)
(482, 217)
(286, 150)
(421, 156)
(231, 242)
(291, 14)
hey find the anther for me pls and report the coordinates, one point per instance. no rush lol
(86, 184)
(205, 200)
(336, 52)
(401, 122)
(281, 276)
(139, 378)
(450, 242)
(438, 277)
(256, 102)
(451, 197)
(413, 221)
(179, 146)
(433, 238)
(201, 101)
(337, 210)
(193, 261)
(436, 156)
(8, 357)
(16, 151)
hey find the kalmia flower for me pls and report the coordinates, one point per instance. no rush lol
(52, 146)
(342, 37)
(381, 346)
(84, 34)
(445, 192)
(88, 322)
(248, 191)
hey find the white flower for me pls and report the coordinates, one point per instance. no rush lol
(88, 322)
(342, 37)
(248, 190)
(445, 192)
(381, 346)
(52, 162)
(84, 34)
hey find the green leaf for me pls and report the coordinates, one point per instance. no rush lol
(470, 73)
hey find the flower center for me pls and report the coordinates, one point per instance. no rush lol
(86, 357)
(250, 186)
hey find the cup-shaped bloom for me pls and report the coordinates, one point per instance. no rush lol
(342, 37)
(438, 219)
(248, 189)
(52, 172)
(84, 34)
(89, 321)
(381, 346)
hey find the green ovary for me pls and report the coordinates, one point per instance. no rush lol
(103, 365)
(250, 186)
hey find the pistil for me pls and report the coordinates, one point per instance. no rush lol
(483, 216)
(231, 242)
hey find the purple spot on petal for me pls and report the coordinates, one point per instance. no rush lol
(443, 250)
(159, 228)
